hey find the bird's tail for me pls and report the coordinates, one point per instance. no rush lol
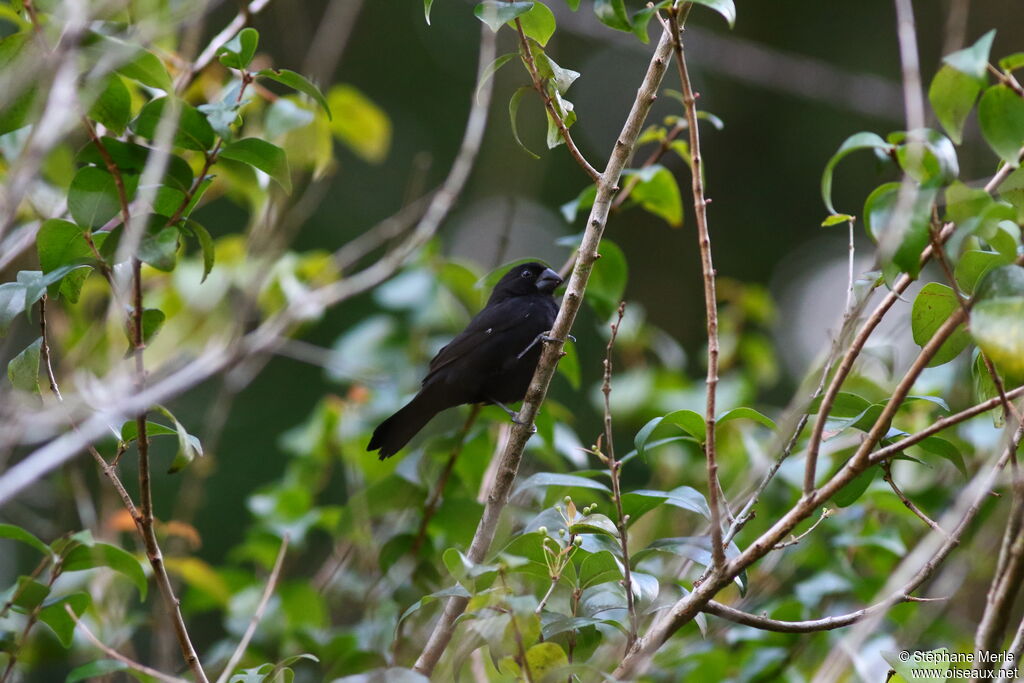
(393, 433)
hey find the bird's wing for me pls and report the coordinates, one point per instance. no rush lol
(483, 329)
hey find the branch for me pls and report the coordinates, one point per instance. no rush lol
(615, 470)
(114, 654)
(549, 104)
(508, 464)
(810, 626)
(909, 504)
(236, 656)
(708, 269)
(219, 41)
(825, 514)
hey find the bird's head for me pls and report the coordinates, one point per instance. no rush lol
(525, 279)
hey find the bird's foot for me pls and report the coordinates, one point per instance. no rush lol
(542, 337)
(514, 416)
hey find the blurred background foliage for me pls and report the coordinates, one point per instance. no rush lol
(285, 439)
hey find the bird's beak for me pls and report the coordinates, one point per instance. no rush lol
(548, 281)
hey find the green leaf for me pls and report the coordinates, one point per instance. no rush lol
(597, 568)
(188, 446)
(595, 524)
(16, 533)
(299, 83)
(724, 7)
(973, 265)
(495, 13)
(855, 142)
(23, 370)
(546, 479)
(456, 591)
(193, 132)
(849, 494)
(94, 670)
(106, 555)
(1001, 116)
(223, 114)
(491, 69)
(836, 219)
(944, 449)
(130, 430)
(745, 414)
(1012, 190)
(608, 279)
(263, 155)
(952, 95)
(152, 321)
(569, 366)
(30, 594)
(131, 158)
(93, 198)
(159, 244)
(545, 658)
(932, 306)
(59, 621)
(658, 193)
(973, 61)
(61, 244)
(238, 52)
(426, 10)
(113, 106)
(927, 156)
(997, 320)
(612, 13)
(538, 23)
(14, 52)
(903, 246)
(513, 108)
(12, 302)
(205, 241)
(637, 503)
(1012, 62)
(142, 66)
(689, 421)
(361, 125)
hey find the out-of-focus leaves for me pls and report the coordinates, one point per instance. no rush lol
(997, 320)
(973, 265)
(932, 306)
(300, 83)
(105, 555)
(16, 533)
(188, 446)
(54, 615)
(263, 155)
(113, 106)
(724, 7)
(92, 198)
(538, 23)
(689, 421)
(361, 125)
(546, 479)
(193, 130)
(636, 503)
(1001, 116)
(849, 494)
(657, 192)
(23, 369)
(853, 143)
(952, 95)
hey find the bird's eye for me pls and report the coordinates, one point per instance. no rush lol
(525, 273)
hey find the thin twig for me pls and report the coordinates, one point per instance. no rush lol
(825, 514)
(250, 631)
(540, 85)
(615, 472)
(708, 269)
(909, 504)
(114, 654)
(220, 40)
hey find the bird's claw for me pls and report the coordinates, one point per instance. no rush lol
(533, 427)
(542, 337)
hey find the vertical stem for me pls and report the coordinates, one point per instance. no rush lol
(708, 270)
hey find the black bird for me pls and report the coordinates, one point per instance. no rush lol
(491, 361)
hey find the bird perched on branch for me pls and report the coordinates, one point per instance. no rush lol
(491, 361)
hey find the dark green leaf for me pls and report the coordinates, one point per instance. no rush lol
(849, 494)
(746, 414)
(23, 370)
(131, 158)
(932, 306)
(263, 155)
(92, 198)
(546, 479)
(159, 245)
(15, 52)
(1001, 115)
(61, 244)
(139, 64)
(299, 83)
(608, 279)
(28, 594)
(206, 245)
(689, 421)
(513, 108)
(106, 555)
(598, 568)
(56, 617)
(658, 193)
(927, 156)
(130, 430)
(853, 143)
(193, 131)
(455, 591)
(973, 265)
(16, 533)
(495, 13)
(901, 241)
(944, 449)
(636, 503)
(239, 51)
(96, 670)
(952, 95)
(113, 106)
